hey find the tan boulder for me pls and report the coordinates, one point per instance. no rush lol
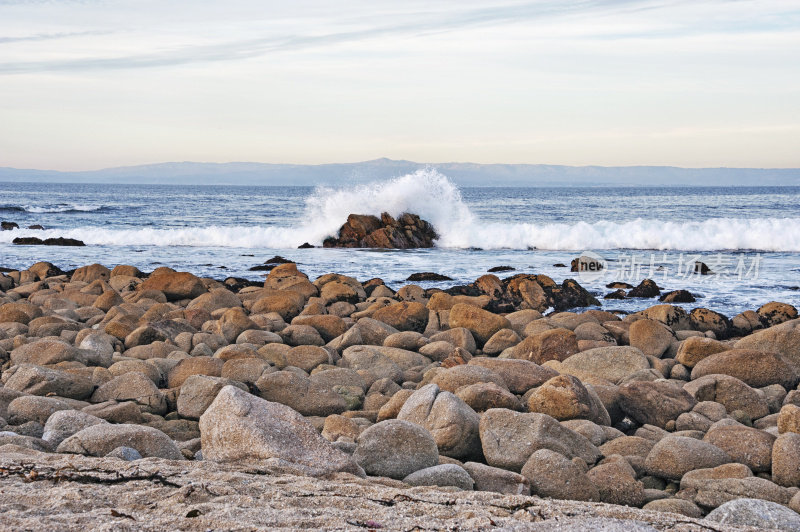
(555, 344)
(755, 368)
(174, 285)
(565, 397)
(481, 323)
(404, 316)
(746, 445)
(696, 348)
(652, 337)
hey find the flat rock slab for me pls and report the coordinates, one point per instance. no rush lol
(156, 494)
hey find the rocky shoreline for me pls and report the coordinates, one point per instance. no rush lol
(469, 395)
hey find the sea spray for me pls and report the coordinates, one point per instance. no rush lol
(436, 199)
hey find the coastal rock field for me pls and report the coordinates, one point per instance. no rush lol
(163, 400)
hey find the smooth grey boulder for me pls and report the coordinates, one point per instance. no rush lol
(441, 475)
(64, 423)
(757, 513)
(395, 448)
(240, 426)
(101, 439)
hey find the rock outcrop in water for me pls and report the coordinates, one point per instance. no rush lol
(408, 231)
(34, 241)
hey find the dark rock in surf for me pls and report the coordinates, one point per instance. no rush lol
(36, 226)
(305, 245)
(616, 294)
(428, 276)
(701, 268)
(647, 288)
(559, 265)
(619, 284)
(408, 231)
(498, 269)
(33, 241)
(677, 296)
(8, 226)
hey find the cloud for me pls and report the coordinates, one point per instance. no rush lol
(424, 22)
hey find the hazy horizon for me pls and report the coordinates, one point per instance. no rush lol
(102, 84)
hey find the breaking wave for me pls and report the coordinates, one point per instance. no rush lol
(436, 199)
(58, 208)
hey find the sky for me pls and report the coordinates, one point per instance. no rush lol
(89, 84)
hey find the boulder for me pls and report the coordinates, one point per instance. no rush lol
(395, 449)
(93, 272)
(786, 460)
(775, 313)
(696, 348)
(34, 408)
(730, 392)
(46, 352)
(651, 337)
(404, 316)
(673, 456)
(453, 424)
(481, 323)
(704, 320)
(612, 364)
(555, 344)
(441, 475)
(408, 231)
(64, 423)
(216, 299)
(494, 479)
(745, 445)
(782, 339)
(482, 396)
(518, 375)
(174, 285)
(509, 438)
(239, 426)
(565, 397)
(132, 386)
(756, 513)
(198, 392)
(37, 380)
(302, 394)
(616, 482)
(654, 402)
(102, 438)
(755, 368)
(451, 379)
(553, 475)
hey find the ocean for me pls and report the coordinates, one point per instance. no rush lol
(748, 236)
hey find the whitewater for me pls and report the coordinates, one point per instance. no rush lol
(221, 231)
(435, 198)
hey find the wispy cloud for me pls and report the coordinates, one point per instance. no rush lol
(424, 22)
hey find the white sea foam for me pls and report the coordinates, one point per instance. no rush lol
(49, 209)
(436, 199)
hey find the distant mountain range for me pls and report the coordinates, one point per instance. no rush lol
(464, 174)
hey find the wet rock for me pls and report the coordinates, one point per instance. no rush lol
(366, 231)
(677, 296)
(34, 241)
(703, 320)
(647, 288)
(427, 276)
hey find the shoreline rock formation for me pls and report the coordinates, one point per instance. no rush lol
(414, 394)
(408, 231)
